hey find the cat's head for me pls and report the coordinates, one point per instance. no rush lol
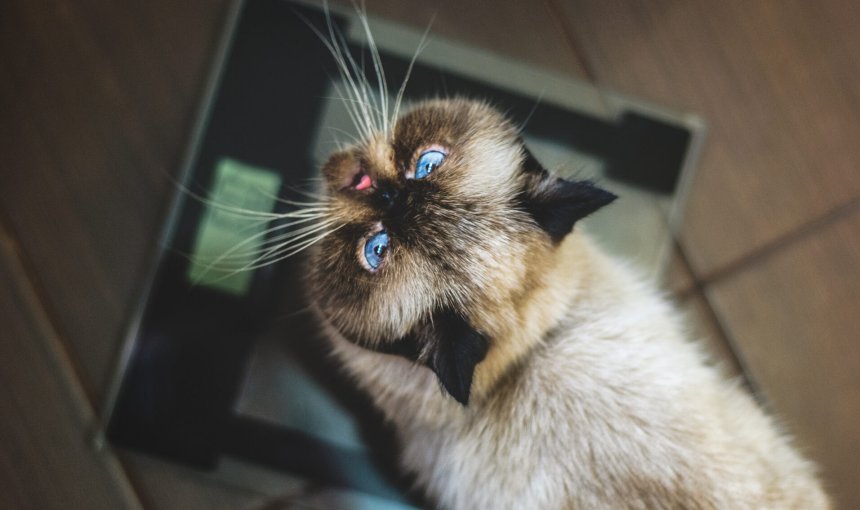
(440, 229)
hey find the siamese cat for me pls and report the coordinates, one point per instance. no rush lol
(521, 366)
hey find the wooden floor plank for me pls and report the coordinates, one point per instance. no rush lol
(702, 326)
(677, 276)
(96, 100)
(777, 83)
(525, 31)
(794, 320)
(46, 461)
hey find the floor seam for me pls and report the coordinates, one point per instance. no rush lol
(785, 241)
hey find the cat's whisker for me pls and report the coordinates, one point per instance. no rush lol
(239, 211)
(301, 232)
(359, 102)
(351, 106)
(283, 255)
(382, 84)
(354, 103)
(370, 109)
(233, 252)
(297, 249)
(354, 139)
(379, 109)
(254, 224)
(309, 210)
(522, 127)
(421, 45)
(263, 262)
(292, 243)
(359, 118)
(289, 239)
(307, 206)
(304, 211)
(369, 112)
(338, 144)
(317, 205)
(310, 194)
(351, 71)
(321, 203)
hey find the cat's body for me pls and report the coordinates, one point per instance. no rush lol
(612, 408)
(521, 366)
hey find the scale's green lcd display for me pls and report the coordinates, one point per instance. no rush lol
(231, 232)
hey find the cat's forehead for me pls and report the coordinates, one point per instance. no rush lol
(483, 146)
(451, 123)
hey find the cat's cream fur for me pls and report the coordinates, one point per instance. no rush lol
(613, 408)
(589, 395)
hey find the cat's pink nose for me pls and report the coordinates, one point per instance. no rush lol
(364, 182)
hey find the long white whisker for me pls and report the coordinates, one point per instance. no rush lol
(331, 43)
(421, 45)
(370, 111)
(352, 138)
(255, 265)
(300, 232)
(289, 243)
(310, 194)
(322, 204)
(233, 254)
(354, 102)
(239, 211)
(522, 126)
(382, 85)
(252, 224)
(351, 106)
(298, 249)
(350, 70)
(338, 144)
(307, 206)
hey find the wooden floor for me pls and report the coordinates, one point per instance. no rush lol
(97, 99)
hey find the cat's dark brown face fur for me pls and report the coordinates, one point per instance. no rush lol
(464, 241)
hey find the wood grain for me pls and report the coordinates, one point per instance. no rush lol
(525, 31)
(45, 459)
(794, 320)
(702, 326)
(776, 81)
(96, 100)
(677, 277)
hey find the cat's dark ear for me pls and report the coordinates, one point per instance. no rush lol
(557, 204)
(449, 346)
(457, 350)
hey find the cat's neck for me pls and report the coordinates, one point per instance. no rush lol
(568, 272)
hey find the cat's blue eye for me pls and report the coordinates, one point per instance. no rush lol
(428, 162)
(375, 248)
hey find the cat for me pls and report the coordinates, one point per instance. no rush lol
(521, 366)
(566, 381)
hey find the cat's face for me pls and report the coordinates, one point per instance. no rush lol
(437, 232)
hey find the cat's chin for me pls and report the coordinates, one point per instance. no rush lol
(360, 339)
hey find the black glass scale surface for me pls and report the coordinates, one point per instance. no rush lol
(178, 392)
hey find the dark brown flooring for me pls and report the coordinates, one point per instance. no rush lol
(97, 99)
